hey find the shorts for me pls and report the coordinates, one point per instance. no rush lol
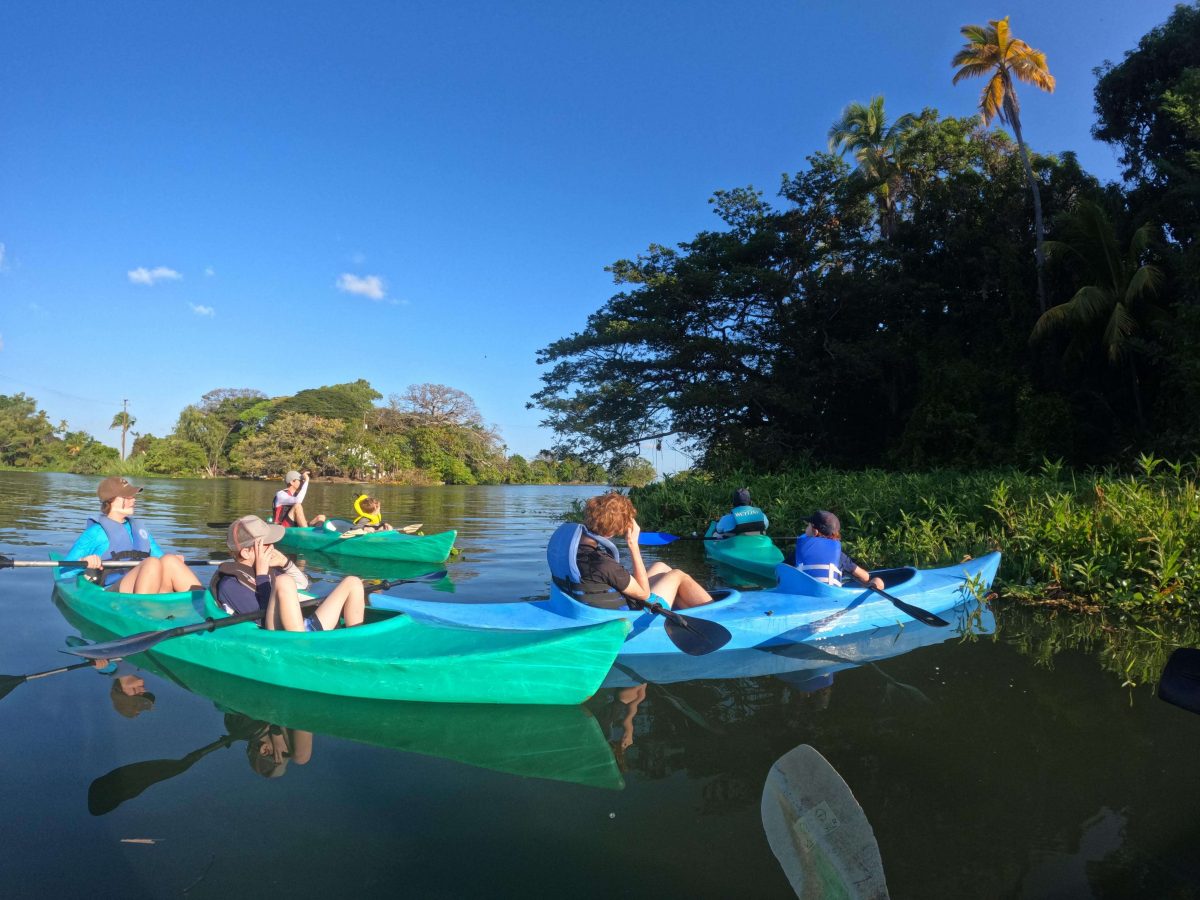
(312, 623)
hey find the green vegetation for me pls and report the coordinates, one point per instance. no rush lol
(1122, 542)
(430, 434)
(891, 314)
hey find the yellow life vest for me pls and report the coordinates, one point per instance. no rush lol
(374, 519)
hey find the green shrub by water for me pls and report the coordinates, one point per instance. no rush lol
(1122, 541)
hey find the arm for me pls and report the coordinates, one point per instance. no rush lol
(640, 578)
(862, 576)
(303, 492)
(290, 568)
(90, 545)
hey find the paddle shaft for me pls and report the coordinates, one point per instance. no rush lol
(138, 643)
(6, 563)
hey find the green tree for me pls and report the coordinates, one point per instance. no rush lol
(292, 440)
(992, 51)
(26, 434)
(174, 456)
(352, 401)
(1111, 308)
(124, 421)
(631, 471)
(864, 133)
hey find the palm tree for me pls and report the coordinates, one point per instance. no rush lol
(864, 132)
(124, 421)
(992, 50)
(1111, 308)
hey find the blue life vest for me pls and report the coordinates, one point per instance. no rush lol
(820, 557)
(742, 520)
(562, 550)
(124, 543)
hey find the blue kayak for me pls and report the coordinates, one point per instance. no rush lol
(798, 610)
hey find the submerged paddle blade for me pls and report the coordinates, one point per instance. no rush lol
(695, 637)
(1179, 684)
(656, 539)
(921, 615)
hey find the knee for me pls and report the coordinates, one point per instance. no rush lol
(285, 584)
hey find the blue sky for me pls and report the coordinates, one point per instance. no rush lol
(284, 195)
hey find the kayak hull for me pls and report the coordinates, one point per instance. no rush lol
(753, 553)
(798, 610)
(382, 545)
(393, 658)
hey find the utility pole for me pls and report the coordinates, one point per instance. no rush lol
(124, 425)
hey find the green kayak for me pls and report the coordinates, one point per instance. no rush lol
(392, 657)
(753, 553)
(390, 545)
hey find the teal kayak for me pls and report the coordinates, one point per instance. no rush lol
(390, 545)
(753, 553)
(391, 657)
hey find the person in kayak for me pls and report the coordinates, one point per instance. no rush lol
(600, 572)
(369, 516)
(744, 518)
(117, 534)
(259, 577)
(819, 553)
(289, 503)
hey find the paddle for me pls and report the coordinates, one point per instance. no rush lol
(1179, 683)
(407, 529)
(9, 682)
(695, 637)
(818, 831)
(662, 538)
(109, 791)
(8, 563)
(138, 643)
(921, 615)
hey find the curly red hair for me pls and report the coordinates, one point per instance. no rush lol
(608, 514)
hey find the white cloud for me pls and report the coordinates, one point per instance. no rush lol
(209, 271)
(368, 286)
(143, 275)
(1, 342)
(203, 310)
(2, 267)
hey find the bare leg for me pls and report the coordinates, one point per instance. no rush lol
(283, 609)
(144, 578)
(658, 568)
(679, 589)
(346, 601)
(177, 576)
(296, 514)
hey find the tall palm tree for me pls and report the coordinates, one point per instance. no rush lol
(992, 50)
(124, 421)
(1114, 305)
(864, 132)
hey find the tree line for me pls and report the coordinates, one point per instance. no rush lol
(429, 434)
(925, 293)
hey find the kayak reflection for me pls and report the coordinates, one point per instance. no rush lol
(559, 743)
(801, 661)
(818, 831)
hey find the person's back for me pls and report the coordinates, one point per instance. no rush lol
(744, 518)
(819, 553)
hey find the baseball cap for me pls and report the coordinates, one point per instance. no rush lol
(248, 529)
(115, 486)
(291, 476)
(825, 522)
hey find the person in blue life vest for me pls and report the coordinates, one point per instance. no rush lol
(116, 534)
(601, 573)
(744, 518)
(259, 577)
(819, 553)
(288, 509)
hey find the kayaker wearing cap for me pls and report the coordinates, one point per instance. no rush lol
(260, 577)
(819, 552)
(744, 518)
(118, 534)
(289, 509)
(606, 516)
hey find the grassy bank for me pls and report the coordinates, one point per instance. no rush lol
(1098, 539)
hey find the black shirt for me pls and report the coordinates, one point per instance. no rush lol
(599, 575)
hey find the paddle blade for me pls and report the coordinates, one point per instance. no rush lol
(921, 615)
(695, 637)
(8, 683)
(656, 539)
(1180, 681)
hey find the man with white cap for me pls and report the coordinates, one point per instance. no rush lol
(289, 509)
(259, 577)
(118, 534)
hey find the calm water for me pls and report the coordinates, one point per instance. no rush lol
(983, 772)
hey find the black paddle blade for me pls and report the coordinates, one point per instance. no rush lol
(8, 683)
(109, 791)
(921, 615)
(695, 637)
(1179, 684)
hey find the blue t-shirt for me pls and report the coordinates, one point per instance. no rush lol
(95, 541)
